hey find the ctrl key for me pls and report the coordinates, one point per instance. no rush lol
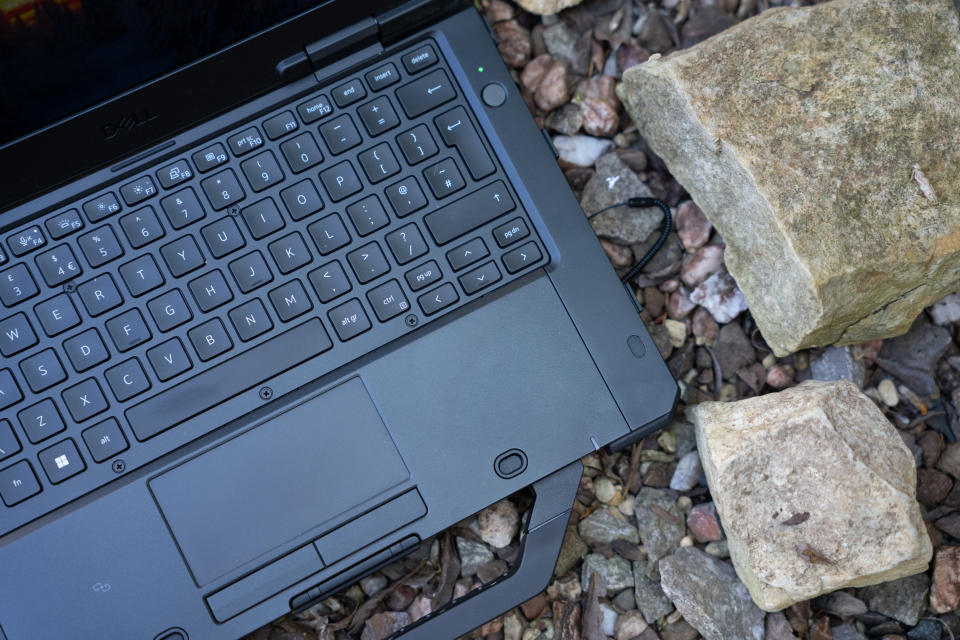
(17, 483)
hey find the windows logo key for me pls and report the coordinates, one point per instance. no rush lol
(61, 461)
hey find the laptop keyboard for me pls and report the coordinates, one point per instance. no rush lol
(371, 203)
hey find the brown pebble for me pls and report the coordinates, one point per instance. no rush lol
(400, 598)
(554, 89)
(535, 606)
(945, 588)
(931, 443)
(780, 376)
(514, 43)
(534, 71)
(932, 486)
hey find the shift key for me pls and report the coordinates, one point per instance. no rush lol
(468, 213)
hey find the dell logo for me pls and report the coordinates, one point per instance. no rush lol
(127, 123)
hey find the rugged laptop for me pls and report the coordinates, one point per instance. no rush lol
(285, 288)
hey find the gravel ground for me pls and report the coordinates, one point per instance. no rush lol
(567, 67)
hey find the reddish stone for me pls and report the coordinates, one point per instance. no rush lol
(945, 589)
(703, 523)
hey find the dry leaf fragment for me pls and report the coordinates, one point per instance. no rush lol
(812, 554)
(797, 518)
(921, 179)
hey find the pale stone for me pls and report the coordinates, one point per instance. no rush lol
(547, 7)
(581, 151)
(888, 392)
(815, 489)
(677, 331)
(797, 132)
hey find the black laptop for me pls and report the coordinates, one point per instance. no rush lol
(286, 288)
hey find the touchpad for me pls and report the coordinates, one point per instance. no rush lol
(282, 478)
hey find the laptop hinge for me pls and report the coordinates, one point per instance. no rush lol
(342, 43)
(412, 16)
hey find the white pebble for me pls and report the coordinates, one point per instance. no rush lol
(888, 392)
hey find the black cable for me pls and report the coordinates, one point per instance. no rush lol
(643, 203)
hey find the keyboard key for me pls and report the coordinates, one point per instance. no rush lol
(16, 334)
(510, 232)
(444, 178)
(379, 163)
(223, 237)
(341, 181)
(387, 300)
(182, 256)
(329, 234)
(419, 59)
(9, 444)
(290, 252)
(417, 144)
(348, 93)
(212, 156)
(172, 175)
(378, 116)
(128, 330)
(169, 359)
(368, 262)
(9, 391)
(41, 421)
(85, 400)
(423, 276)
(467, 254)
(17, 483)
(42, 370)
(262, 171)
(480, 278)
(406, 243)
(169, 310)
(105, 440)
(245, 141)
(349, 319)
(250, 271)
(280, 125)
(141, 275)
(228, 379)
(250, 320)
(301, 199)
(101, 207)
(262, 218)
(520, 257)
(63, 224)
(458, 131)
(57, 314)
(290, 301)
(127, 379)
(142, 227)
(3, 255)
(340, 134)
(441, 297)
(210, 291)
(329, 281)
(424, 94)
(16, 285)
(301, 152)
(222, 189)
(210, 339)
(469, 212)
(100, 295)
(314, 109)
(406, 196)
(58, 265)
(368, 215)
(383, 77)
(86, 350)
(182, 208)
(138, 190)
(26, 241)
(61, 461)
(100, 246)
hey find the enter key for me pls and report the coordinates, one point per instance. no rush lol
(457, 131)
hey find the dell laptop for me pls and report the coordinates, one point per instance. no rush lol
(286, 288)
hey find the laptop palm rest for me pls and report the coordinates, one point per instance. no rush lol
(275, 482)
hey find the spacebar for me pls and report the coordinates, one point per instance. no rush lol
(228, 379)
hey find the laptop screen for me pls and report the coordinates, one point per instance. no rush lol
(61, 56)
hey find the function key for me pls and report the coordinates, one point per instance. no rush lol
(26, 241)
(101, 207)
(63, 224)
(174, 174)
(314, 109)
(382, 77)
(17, 483)
(419, 59)
(349, 93)
(138, 190)
(245, 141)
(280, 125)
(61, 461)
(212, 156)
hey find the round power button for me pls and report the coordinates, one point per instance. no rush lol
(493, 94)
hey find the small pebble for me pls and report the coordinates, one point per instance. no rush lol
(888, 392)
(605, 489)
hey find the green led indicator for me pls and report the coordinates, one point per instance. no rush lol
(480, 69)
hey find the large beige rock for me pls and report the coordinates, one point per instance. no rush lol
(820, 142)
(547, 7)
(815, 490)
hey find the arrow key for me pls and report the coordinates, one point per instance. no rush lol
(520, 257)
(441, 297)
(467, 254)
(480, 278)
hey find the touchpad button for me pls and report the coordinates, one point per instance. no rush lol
(286, 476)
